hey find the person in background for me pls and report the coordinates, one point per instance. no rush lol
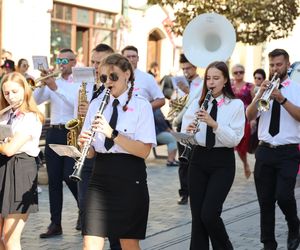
(18, 169)
(8, 66)
(117, 200)
(61, 93)
(259, 76)
(22, 67)
(244, 91)
(194, 90)
(154, 70)
(163, 136)
(277, 155)
(212, 163)
(144, 83)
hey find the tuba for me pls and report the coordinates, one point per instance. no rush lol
(75, 125)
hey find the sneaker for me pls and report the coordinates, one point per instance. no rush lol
(172, 164)
(39, 190)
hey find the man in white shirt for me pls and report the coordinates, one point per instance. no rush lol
(144, 83)
(277, 156)
(61, 93)
(194, 89)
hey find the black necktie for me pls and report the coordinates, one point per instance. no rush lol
(275, 118)
(11, 117)
(113, 122)
(210, 136)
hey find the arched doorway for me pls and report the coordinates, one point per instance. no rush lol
(154, 47)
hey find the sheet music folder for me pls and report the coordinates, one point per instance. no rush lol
(65, 150)
(185, 138)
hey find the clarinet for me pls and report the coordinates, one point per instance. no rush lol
(184, 157)
(76, 175)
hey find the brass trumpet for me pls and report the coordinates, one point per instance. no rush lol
(263, 103)
(34, 83)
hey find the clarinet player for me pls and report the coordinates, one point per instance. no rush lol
(117, 199)
(212, 163)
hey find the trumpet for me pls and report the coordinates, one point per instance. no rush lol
(263, 103)
(76, 175)
(184, 157)
(34, 83)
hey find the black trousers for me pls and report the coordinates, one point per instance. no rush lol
(211, 174)
(275, 178)
(182, 170)
(59, 168)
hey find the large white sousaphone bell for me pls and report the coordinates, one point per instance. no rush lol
(207, 38)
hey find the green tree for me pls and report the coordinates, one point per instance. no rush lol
(255, 21)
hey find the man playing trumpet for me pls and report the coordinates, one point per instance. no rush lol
(277, 156)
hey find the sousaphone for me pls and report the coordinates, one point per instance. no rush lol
(207, 38)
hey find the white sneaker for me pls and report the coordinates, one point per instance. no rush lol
(39, 190)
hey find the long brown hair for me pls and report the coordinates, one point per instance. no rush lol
(122, 63)
(227, 90)
(29, 104)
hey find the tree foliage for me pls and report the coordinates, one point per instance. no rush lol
(255, 21)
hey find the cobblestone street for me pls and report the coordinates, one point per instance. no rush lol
(169, 224)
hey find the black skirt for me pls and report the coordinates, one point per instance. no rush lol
(18, 184)
(117, 199)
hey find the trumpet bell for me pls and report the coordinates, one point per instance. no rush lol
(263, 105)
(207, 38)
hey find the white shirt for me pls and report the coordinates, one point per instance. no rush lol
(137, 123)
(289, 131)
(62, 100)
(146, 86)
(29, 124)
(230, 119)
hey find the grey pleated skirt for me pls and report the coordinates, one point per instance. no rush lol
(18, 184)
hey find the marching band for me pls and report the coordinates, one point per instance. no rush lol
(111, 123)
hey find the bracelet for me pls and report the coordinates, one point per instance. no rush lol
(284, 101)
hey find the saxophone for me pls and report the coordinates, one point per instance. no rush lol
(75, 125)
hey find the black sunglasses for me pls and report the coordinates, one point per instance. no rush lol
(238, 72)
(112, 76)
(258, 78)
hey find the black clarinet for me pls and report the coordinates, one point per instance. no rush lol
(76, 175)
(184, 157)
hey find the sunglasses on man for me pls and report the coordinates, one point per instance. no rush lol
(112, 76)
(63, 61)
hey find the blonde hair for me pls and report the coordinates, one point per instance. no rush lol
(29, 104)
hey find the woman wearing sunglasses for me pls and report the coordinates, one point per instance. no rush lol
(117, 199)
(244, 91)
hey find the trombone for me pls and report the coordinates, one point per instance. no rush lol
(34, 83)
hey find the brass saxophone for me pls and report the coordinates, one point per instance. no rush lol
(75, 125)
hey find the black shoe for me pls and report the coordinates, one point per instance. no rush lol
(183, 200)
(53, 230)
(78, 223)
(293, 243)
(270, 246)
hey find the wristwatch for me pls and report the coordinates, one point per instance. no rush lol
(114, 134)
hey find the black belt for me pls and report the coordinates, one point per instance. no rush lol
(58, 126)
(266, 144)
